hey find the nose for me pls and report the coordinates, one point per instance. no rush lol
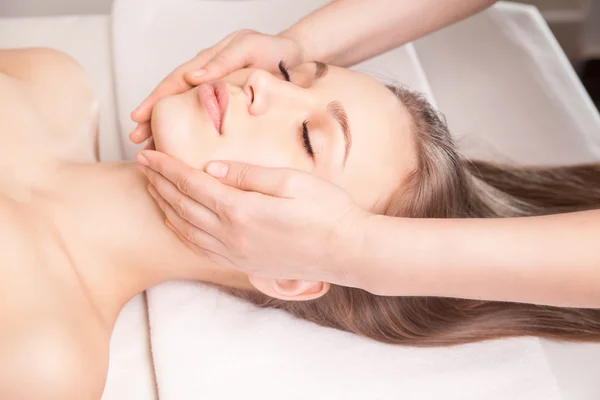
(266, 90)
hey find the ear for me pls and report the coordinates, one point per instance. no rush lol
(290, 289)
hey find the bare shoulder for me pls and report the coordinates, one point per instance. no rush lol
(44, 78)
(45, 70)
(47, 96)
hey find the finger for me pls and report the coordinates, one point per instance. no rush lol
(164, 206)
(141, 133)
(190, 234)
(171, 85)
(278, 182)
(170, 213)
(231, 58)
(162, 203)
(197, 77)
(214, 257)
(188, 244)
(223, 59)
(192, 246)
(194, 183)
(191, 211)
(187, 208)
(175, 82)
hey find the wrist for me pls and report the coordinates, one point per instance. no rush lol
(400, 257)
(365, 272)
(356, 270)
(345, 250)
(309, 51)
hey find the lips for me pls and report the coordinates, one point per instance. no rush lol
(214, 97)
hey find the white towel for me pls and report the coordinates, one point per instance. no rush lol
(207, 344)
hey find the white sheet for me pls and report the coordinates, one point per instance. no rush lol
(208, 344)
(131, 369)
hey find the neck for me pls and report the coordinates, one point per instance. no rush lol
(117, 239)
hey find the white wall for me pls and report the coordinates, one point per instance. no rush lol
(29, 8)
(577, 40)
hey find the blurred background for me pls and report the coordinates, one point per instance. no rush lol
(575, 23)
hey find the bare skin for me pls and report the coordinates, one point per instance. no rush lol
(78, 238)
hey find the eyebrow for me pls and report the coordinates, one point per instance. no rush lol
(337, 111)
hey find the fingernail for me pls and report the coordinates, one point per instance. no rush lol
(197, 74)
(140, 158)
(217, 169)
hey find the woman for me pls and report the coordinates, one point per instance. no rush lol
(81, 238)
(550, 259)
(68, 268)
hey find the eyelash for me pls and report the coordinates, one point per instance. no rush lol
(284, 70)
(305, 137)
(306, 140)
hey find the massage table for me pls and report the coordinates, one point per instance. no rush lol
(508, 93)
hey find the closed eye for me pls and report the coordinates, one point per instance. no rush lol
(284, 70)
(305, 136)
(306, 140)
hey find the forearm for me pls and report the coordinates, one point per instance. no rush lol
(553, 260)
(346, 32)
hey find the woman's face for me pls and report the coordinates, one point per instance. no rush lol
(339, 124)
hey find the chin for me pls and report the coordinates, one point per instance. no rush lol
(177, 130)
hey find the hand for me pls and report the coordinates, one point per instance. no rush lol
(241, 49)
(281, 224)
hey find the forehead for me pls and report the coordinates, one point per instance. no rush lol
(382, 152)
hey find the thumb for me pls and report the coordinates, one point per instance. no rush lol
(226, 61)
(277, 182)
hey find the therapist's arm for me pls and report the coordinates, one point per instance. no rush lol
(552, 260)
(346, 32)
(343, 33)
(291, 224)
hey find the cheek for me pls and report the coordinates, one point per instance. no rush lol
(267, 141)
(197, 149)
(258, 151)
(182, 132)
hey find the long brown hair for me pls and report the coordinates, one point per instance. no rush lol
(445, 185)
